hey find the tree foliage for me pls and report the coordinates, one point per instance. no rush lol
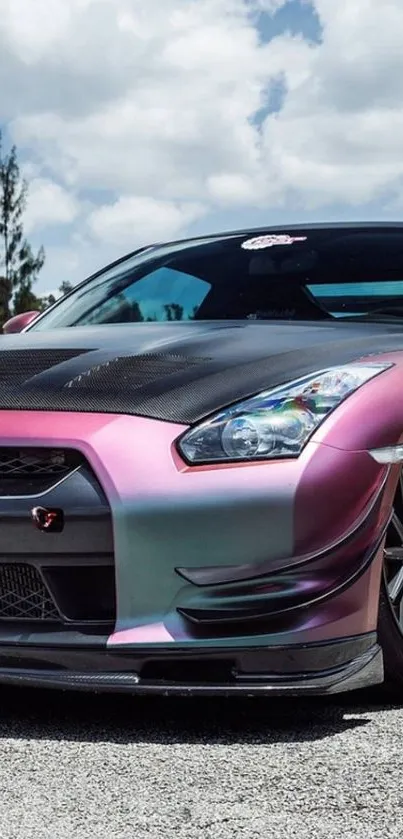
(50, 299)
(46, 301)
(65, 287)
(19, 265)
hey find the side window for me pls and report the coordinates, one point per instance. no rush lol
(358, 298)
(166, 294)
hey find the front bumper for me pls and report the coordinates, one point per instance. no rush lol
(261, 579)
(320, 669)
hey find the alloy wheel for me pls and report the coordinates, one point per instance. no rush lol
(393, 557)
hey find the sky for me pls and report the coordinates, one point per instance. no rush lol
(143, 120)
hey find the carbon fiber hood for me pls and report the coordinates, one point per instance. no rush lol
(179, 372)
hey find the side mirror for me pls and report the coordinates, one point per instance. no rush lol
(19, 322)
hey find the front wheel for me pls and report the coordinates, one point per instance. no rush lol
(390, 621)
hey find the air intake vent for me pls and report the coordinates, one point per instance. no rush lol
(128, 373)
(17, 366)
(29, 471)
(24, 596)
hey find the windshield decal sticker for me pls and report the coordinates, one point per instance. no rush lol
(260, 242)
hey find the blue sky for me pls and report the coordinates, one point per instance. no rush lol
(295, 17)
(138, 122)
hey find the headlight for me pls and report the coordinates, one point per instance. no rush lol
(278, 422)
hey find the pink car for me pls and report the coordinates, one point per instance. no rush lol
(201, 453)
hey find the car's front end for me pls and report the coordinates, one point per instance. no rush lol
(200, 451)
(124, 566)
(169, 578)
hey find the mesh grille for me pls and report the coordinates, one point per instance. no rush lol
(29, 471)
(21, 463)
(23, 595)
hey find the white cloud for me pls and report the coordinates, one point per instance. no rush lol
(339, 134)
(30, 27)
(138, 118)
(132, 221)
(182, 104)
(228, 188)
(49, 204)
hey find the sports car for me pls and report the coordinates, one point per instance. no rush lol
(201, 453)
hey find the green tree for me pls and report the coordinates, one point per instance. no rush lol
(19, 266)
(24, 299)
(65, 287)
(46, 301)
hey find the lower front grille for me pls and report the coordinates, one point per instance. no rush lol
(24, 596)
(84, 594)
(65, 595)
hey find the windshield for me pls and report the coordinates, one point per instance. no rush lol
(317, 274)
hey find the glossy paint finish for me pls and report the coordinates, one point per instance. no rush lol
(17, 323)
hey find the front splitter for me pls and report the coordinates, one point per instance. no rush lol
(362, 672)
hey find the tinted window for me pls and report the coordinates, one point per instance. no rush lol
(357, 298)
(317, 275)
(163, 294)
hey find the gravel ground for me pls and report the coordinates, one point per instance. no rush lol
(117, 768)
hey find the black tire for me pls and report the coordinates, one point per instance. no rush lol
(390, 619)
(390, 638)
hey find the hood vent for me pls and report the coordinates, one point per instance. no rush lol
(18, 366)
(132, 372)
